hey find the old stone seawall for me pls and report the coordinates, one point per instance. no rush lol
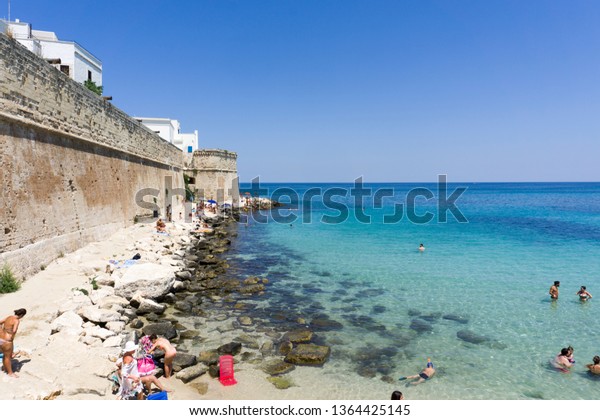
(71, 164)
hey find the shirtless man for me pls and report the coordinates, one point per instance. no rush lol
(594, 368)
(167, 347)
(8, 330)
(554, 290)
(425, 374)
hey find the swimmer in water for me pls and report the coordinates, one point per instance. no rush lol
(421, 247)
(424, 375)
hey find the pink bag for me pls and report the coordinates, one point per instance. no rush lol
(146, 366)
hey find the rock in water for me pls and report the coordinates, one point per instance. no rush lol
(232, 348)
(298, 336)
(278, 367)
(471, 337)
(308, 354)
(280, 382)
(420, 326)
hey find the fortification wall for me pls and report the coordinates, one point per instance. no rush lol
(215, 175)
(71, 164)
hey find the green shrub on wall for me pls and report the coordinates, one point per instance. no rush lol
(91, 85)
(8, 282)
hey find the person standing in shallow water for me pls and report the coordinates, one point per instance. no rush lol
(8, 330)
(167, 347)
(584, 294)
(554, 290)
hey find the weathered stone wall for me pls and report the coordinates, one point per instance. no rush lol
(215, 175)
(71, 164)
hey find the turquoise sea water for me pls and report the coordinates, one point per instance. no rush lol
(488, 278)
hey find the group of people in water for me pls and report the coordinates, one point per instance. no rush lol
(564, 361)
(582, 292)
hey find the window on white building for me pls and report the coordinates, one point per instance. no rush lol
(89, 75)
(65, 69)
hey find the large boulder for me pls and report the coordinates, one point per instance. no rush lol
(183, 361)
(68, 321)
(99, 316)
(191, 373)
(148, 306)
(164, 329)
(150, 280)
(108, 302)
(308, 354)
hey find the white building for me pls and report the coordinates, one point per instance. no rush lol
(170, 131)
(69, 57)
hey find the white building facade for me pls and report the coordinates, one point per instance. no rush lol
(68, 57)
(169, 130)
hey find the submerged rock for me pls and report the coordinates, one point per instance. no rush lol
(308, 354)
(323, 323)
(471, 337)
(420, 325)
(278, 367)
(232, 348)
(457, 318)
(298, 336)
(280, 382)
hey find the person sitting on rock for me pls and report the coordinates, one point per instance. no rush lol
(161, 226)
(167, 347)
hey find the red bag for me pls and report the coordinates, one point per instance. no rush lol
(146, 366)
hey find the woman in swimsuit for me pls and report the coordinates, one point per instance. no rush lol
(8, 330)
(584, 294)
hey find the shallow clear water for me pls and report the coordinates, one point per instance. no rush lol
(493, 273)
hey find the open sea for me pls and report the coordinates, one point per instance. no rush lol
(475, 301)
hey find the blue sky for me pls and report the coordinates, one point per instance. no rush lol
(330, 90)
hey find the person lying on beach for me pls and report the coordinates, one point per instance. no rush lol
(554, 290)
(167, 347)
(161, 226)
(594, 368)
(423, 376)
(584, 294)
(561, 361)
(8, 330)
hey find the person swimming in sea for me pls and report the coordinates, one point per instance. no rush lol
(584, 294)
(423, 376)
(421, 247)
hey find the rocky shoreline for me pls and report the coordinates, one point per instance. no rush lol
(178, 288)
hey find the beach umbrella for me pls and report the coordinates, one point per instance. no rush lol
(212, 202)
